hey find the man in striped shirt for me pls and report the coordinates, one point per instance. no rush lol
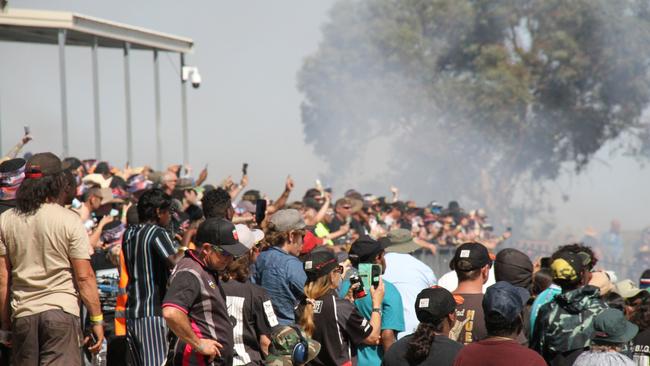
(149, 254)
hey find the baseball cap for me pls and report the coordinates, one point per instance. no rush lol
(286, 220)
(283, 341)
(505, 299)
(309, 242)
(568, 266)
(43, 164)
(247, 236)
(612, 327)
(627, 289)
(513, 266)
(107, 197)
(601, 280)
(320, 263)
(222, 233)
(470, 256)
(401, 241)
(365, 248)
(644, 281)
(434, 303)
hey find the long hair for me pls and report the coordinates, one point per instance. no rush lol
(314, 289)
(238, 270)
(34, 192)
(420, 343)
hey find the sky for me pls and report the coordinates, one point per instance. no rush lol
(247, 108)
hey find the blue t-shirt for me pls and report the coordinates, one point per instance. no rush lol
(392, 317)
(544, 297)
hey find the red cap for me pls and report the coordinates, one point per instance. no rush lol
(309, 242)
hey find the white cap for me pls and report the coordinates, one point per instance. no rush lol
(247, 236)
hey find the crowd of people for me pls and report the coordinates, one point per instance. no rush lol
(142, 267)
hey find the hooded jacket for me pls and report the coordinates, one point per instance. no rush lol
(566, 323)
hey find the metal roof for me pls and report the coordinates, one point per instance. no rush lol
(39, 26)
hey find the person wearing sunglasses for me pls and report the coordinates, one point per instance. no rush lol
(194, 306)
(332, 321)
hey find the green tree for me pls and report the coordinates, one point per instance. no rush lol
(483, 99)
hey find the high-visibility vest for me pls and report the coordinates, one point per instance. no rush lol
(120, 303)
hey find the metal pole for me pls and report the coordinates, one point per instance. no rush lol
(186, 157)
(64, 95)
(1, 123)
(98, 132)
(156, 82)
(127, 95)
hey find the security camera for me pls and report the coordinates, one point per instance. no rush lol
(191, 73)
(196, 79)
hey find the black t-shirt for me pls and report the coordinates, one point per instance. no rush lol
(251, 308)
(339, 326)
(470, 312)
(442, 353)
(336, 224)
(196, 291)
(641, 348)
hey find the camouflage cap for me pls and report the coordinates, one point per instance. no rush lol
(283, 340)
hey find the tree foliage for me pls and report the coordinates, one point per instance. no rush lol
(482, 99)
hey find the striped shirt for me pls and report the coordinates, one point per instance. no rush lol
(147, 248)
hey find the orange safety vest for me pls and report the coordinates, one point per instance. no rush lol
(120, 303)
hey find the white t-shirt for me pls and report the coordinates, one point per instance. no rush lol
(410, 276)
(449, 280)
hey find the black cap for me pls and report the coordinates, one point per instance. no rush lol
(319, 263)
(505, 299)
(222, 233)
(44, 164)
(513, 266)
(470, 256)
(365, 248)
(433, 304)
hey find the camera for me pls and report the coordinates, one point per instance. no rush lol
(196, 79)
(191, 73)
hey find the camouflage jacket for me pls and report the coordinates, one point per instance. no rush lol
(566, 323)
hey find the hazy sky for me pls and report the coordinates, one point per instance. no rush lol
(247, 108)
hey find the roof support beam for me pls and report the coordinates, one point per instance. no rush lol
(64, 94)
(98, 133)
(156, 90)
(186, 154)
(127, 97)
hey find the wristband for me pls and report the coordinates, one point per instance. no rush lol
(97, 318)
(376, 310)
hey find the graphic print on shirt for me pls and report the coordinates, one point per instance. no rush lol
(236, 310)
(270, 314)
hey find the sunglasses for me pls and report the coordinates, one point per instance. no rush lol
(221, 251)
(346, 207)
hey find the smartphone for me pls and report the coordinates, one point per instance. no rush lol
(369, 274)
(26, 130)
(260, 211)
(114, 212)
(244, 169)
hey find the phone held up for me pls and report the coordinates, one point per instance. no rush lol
(369, 274)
